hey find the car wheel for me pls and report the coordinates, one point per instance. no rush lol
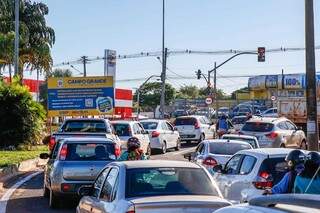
(46, 192)
(164, 148)
(202, 137)
(149, 150)
(178, 146)
(53, 200)
(304, 145)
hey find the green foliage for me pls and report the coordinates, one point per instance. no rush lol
(22, 119)
(151, 93)
(188, 92)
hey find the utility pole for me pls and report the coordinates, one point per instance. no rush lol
(164, 63)
(311, 92)
(215, 88)
(16, 39)
(84, 61)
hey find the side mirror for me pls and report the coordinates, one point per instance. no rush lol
(175, 128)
(44, 156)
(218, 168)
(85, 191)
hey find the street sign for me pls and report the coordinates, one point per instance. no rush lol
(208, 100)
(273, 98)
(80, 96)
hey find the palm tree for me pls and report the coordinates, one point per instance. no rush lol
(36, 38)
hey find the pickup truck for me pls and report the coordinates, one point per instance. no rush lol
(84, 127)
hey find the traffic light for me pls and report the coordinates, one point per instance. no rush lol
(261, 54)
(198, 74)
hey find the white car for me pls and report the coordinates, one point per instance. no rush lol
(249, 172)
(283, 203)
(245, 138)
(194, 128)
(162, 135)
(128, 129)
(272, 113)
(210, 153)
(157, 186)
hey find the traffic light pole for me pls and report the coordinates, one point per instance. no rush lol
(311, 92)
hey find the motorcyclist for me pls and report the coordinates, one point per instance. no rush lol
(309, 180)
(295, 160)
(134, 151)
(222, 125)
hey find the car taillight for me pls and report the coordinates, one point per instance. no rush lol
(209, 161)
(63, 152)
(131, 209)
(117, 150)
(65, 187)
(272, 135)
(197, 125)
(155, 134)
(52, 142)
(263, 181)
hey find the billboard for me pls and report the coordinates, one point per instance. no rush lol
(257, 82)
(293, 81)
(80, 96)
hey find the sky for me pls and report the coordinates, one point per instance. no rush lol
(85, 27)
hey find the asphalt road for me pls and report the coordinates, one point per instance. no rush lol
(28, 198)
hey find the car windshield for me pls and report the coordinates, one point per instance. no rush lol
(185, 121)
(149, 125)
(257, 127)
(85, 126)
(144, 182)
(250, 141)
(90, 151)
(228, 148)
(122, 129)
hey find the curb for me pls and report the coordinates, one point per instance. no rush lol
(12, 171)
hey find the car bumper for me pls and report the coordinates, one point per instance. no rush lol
(155, 143)
(189, 136)
(73, 188)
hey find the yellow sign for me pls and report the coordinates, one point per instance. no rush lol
(80, 82)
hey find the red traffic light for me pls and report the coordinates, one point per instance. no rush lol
(261, 54)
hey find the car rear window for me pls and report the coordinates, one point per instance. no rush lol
(90, 152)
(85, 126)
(252, 142)
(257, 127)
(239, 120)
(277, 167)
(149, 125)
(122, 129)
(228, 148)
(144, 182)
(185, 121)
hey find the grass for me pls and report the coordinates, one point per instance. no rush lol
(8, 158)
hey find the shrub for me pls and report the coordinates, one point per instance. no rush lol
(21, 118)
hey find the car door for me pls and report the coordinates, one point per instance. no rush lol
(87, 203)
(200, 153)
(106, 201)
(205, 127)
(172, 135)
(285, 133)
(144, 138)
(295, 138)
(165, 136)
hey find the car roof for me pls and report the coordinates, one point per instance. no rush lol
(123, 122)
(226, 141)
(266, 151)
(190, 116)
(156, 164)
(240, 116)
(86, 139)
(266, 119)
(240, 136)
(86, 119)
(151, 120)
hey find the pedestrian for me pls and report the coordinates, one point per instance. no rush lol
(295, 160)
(134, 151)
(222, 125)
(308, 182)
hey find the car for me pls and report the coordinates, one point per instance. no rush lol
(275, 132)
(84, 127)
(249, 172)
(180, 112)
(194, 128)
(209, 113)
(282, 203)
(210, 153)
(242, 110)
(238, 122)
(245, 138)
(127, 129)
(152, 186)
(162, 135)
(272, 112)
(75, 162)
(223, 110)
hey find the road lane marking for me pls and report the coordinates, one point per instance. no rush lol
(183, 151)
(6, 197)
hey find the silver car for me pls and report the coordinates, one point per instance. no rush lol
(75, 162)
(162, 135)
(275, 132)
(152, 186)
(245, 138)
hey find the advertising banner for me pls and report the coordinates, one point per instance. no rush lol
(80, 96)
(110, 63)
(294, 81)
(272, 81)
(257, 82)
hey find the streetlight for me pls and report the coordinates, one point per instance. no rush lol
(81, 73)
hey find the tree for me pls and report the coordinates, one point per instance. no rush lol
(151, 92)
(36, 38)
(43, 89)
(188, 92)
(22, 118)
(221, 95)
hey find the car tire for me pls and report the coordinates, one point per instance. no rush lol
(164, 148)
(304, 145)
(46, 192)
(202, 137)
(178, 146)
(54, 201)
(149, 151)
